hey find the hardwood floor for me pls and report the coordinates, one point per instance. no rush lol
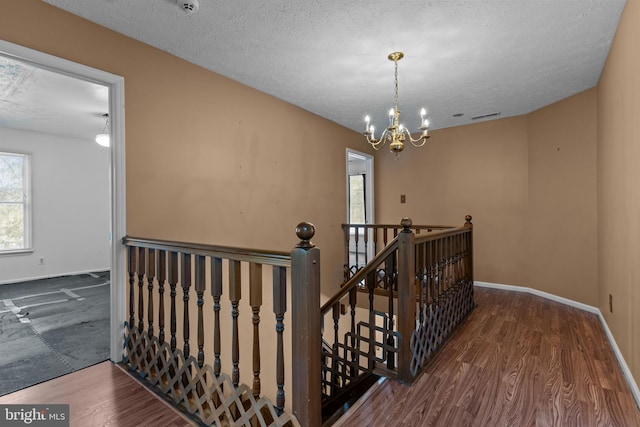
(101, 395)
(518, 360)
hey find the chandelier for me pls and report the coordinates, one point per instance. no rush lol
(396, 133)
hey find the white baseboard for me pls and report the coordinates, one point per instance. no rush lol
(595, 310)
(51, 276)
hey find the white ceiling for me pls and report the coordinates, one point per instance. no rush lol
(39, 100)
(330, 57)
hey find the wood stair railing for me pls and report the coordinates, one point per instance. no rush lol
(388, 319)
(395, 312)
(205, 380)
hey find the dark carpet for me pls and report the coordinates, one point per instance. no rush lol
(52, 327)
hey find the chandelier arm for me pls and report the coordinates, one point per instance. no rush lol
(376, 143)
(419, 142)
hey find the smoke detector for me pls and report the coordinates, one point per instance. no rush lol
(189, 6)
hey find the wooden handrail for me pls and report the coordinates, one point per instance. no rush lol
(397, 226)
(360, 276)
(261, 256)
(440, 234)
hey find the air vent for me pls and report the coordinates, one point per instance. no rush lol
(189, 6)
(485, 116)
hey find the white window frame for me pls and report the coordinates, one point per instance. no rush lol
(27, 246)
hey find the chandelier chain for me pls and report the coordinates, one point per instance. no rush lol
(396, 112)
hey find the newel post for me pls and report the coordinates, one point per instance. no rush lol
(305, 321)
(406, 298)
(468, 224)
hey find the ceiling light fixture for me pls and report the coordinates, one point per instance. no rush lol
(103, 138)
(396, 133)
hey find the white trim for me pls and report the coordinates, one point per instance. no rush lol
(49, 276)
(561, 300)
(633, 386)
(117, 170)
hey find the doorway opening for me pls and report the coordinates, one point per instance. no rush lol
(30, 63)
(359, 203)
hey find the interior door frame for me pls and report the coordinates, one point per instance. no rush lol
(115, 84)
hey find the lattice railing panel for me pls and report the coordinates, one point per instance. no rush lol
(439, 320)
(196, 389)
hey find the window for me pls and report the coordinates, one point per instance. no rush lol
(357, 211)
(15, 232)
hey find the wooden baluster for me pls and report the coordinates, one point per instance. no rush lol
(442, 265)
(439, 280)
(366, 244)
(347, 270)
(173, 281)
(451, 258)
(458, 250)
(279, 309)
(255, 299)
(370, 282)
(356, 241)
(445, 263)
(353, 295)
(335, 377)
(421, 273)
(454, 260)
(216, 292)
(375, 240)
(235, 295)
(151, 274)
(141, 269)
(200, 286)
(185, 281)
(391, 266)
(430, 287)
(133, 252)
(162, 277)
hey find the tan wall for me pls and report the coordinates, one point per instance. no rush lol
(477, 169)
(562, 216)
(618, 186)
(530, 184)
(207, 159)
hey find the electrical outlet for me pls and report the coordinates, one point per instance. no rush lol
(610, 303)
(41, 261)
(403, 198)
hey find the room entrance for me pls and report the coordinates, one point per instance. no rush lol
(97, 272)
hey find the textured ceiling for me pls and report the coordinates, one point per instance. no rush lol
(330, 57)
(39, 100)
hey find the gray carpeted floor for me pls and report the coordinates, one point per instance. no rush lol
(52, 327)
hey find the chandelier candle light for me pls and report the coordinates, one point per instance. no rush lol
(396, 133)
